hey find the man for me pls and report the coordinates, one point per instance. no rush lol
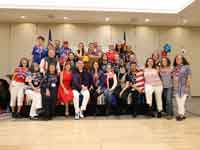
(57, 47)
(39, 52)
(93, 52)
(50, 59)
(135, 87)
(63, 53)
(80, 83)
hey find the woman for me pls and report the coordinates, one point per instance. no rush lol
(71, 59)
(181, 82)
(49, 92)
(118, 48)
(166, 78)
(103, 62)
(153, 84)
(33, 90)
(122, 105)
(112, 54)
(110, 84)
(81, 50)
(65, 94)
(17, 87)
(156, 57)
(97, 84)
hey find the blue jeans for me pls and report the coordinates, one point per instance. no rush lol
(167, 96)
(108, 97)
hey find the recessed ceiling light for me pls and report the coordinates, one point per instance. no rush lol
(147, 20)
(65, 18)
(22, 17)
(107, 19)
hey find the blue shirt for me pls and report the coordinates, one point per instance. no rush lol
(38, 54)
(64, 51)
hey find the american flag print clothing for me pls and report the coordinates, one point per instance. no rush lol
(38, 54)
(20, 74)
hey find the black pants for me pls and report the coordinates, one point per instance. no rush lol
(135, 96)
(93, 97)
(49, 103)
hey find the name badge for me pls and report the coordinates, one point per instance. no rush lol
(53, 85)
(36, 83)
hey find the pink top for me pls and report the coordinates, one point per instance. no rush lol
(152, 77)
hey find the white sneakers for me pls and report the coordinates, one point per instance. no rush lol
(79, 115)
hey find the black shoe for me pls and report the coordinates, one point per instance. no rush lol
(179, 118)
(184, 117)
(18, 115)
(169, 117)
(134, 115)
(159, 115)
(151, 114)
(44, 118)
(34, 118)
(13, 114)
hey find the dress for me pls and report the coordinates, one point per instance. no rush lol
(65, 98)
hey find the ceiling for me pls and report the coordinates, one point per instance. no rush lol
(190, 16)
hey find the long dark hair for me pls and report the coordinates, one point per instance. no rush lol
(168, 62)
(101, 59)
(146, 63)
(116, 48)
(22, 59)
(184, 61)
(48, 69)
(82, 49)
(32, 68)
(92, 67)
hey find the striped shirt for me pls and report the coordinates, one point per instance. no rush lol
(152, 77)
(140, 80)
(20, 74)
(137, 79)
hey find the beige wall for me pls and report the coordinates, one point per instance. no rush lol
(16, 40)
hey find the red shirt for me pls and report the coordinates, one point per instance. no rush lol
(20, 74)
(111, 54)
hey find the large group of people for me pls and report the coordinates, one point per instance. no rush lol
(59, 75)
